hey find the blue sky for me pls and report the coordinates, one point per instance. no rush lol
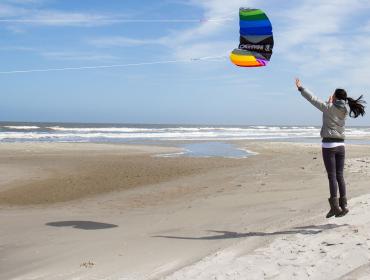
(325, 43)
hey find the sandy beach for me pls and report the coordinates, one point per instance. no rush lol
(117, 211)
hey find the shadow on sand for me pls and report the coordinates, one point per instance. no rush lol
(312, 229)
(81, 224)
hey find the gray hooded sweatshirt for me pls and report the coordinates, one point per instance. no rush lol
(333, 117)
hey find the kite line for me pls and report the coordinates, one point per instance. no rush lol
(89, 21)
(205, 58)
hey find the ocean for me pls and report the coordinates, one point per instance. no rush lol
(123, 133)
(195, 140)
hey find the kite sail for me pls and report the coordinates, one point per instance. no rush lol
(256, 39)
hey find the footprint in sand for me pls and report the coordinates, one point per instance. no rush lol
(88, 264)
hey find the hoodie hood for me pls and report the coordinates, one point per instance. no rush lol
(340, 104)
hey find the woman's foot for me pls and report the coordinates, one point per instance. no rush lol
(334, 208)
(343, 205)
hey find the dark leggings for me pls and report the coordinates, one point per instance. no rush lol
(334, 164)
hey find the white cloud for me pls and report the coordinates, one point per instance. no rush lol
(202, 39)
(18, 14)
(323, 37)
(11, 11)
(207, 38)
(60, 18)
(26, 2)
(313, 23)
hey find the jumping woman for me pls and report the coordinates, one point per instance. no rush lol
(334, 115)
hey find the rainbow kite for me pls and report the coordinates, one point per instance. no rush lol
(256, 40)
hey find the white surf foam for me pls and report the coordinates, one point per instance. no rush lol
(61, 133)
(25, 127)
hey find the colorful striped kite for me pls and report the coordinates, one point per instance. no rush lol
(256, 40)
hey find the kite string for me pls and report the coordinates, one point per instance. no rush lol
(205, 58)
(23, 20)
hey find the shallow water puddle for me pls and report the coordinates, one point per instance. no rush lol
(210, 149)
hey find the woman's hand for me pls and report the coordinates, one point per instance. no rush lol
(330, 99)
(298, 83)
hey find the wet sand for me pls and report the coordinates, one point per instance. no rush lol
(75, 171)
(99, 211)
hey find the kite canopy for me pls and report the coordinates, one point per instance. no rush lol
(256, 40)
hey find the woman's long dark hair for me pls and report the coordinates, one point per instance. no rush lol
(356, 105)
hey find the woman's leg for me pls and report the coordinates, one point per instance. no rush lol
(328, 155)
(339, 160)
